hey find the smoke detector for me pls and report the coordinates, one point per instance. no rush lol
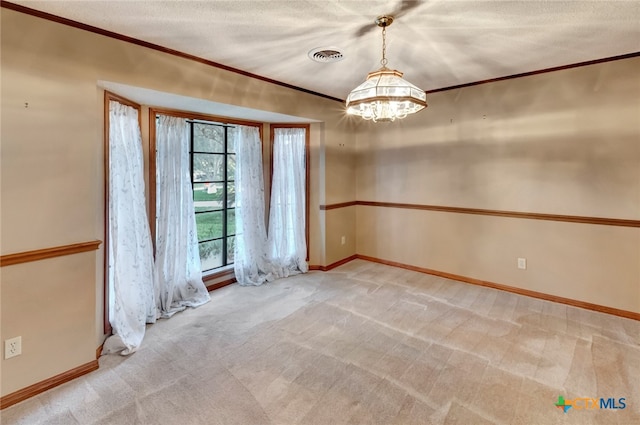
(325, 54)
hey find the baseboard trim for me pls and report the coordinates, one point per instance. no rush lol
(47, 384)
(339, 263)
(333, 265)
(534, 294)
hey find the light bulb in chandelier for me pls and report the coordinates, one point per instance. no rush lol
(385, 95)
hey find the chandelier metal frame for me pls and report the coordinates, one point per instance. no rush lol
(385, 95)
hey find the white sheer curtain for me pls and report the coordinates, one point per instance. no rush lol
(287, 242)
(131, 281)
(177, 266)
(251, 263)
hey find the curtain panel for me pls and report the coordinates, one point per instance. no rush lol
(287, 239)
(251, 262)
(177, 265)
(132, 293)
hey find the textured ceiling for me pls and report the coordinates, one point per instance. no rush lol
(435, 43)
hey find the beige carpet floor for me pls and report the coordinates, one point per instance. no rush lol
(364, 344)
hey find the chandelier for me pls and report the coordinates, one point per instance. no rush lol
(385, 95)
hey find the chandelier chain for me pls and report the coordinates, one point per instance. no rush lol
(384, 47)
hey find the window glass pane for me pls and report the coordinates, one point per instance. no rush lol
(231, 167)
(208, 138)
(231, 141)
(211, 186)
(210, 254)
(231, 221)
(231, 195)
(209, 225)
(208, 167)
(231, 245)
(208, 196)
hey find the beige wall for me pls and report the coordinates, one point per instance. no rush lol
(595, 264)
(52, 306)
(566, 142)
(342, 223)
(52, 171)
(340, 184)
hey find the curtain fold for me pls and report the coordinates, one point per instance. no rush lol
(177, 266)
(287, 240)
(131, 277)
(251, 263)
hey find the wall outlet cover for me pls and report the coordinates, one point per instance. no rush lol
(522, 263)
(12, 347)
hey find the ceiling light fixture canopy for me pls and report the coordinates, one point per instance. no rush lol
(385, 95)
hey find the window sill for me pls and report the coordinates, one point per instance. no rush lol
(226, 274)
(221, 272)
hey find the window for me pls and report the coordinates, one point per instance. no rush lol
(213, 160)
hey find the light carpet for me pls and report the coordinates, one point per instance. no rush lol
(363, 344)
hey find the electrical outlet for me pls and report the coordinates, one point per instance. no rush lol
(522, 263)
(12, 347)
(343, 240)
